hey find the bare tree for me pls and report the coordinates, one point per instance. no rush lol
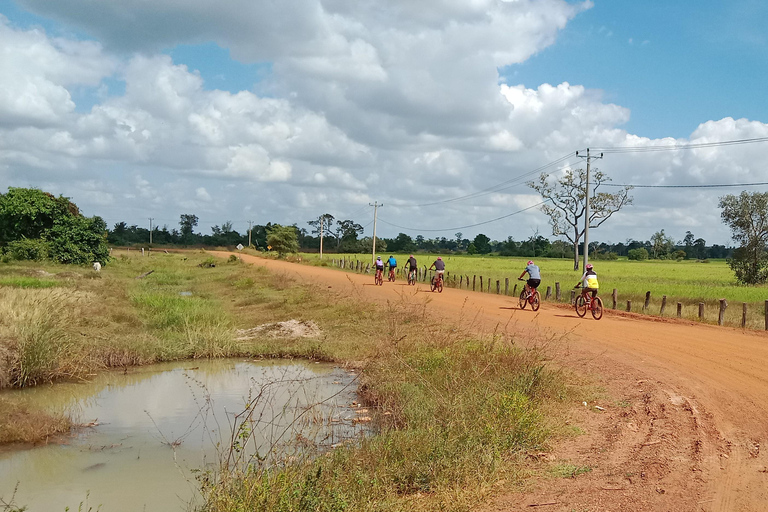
(322, 225)
(566, 206)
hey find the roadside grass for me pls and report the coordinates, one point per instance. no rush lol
(456, 415)
(28, 282)
(456, 412)
(24, 424)
(687, 281)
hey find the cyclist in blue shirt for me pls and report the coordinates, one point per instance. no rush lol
(534, 277)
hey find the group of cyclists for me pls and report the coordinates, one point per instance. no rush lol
(410, 266)
(588, 282)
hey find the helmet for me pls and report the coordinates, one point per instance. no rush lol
(439, 257)
(378, 257)
(530, 262)
(589, 266)
(411, 256)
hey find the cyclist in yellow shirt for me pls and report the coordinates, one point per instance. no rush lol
(588, 282)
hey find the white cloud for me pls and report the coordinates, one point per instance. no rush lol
(398, 103)
(202, 194)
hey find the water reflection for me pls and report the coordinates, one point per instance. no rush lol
(154, 427)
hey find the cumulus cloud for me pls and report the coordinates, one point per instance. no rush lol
(398, 103)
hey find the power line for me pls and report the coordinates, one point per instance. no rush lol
(465, 227)
(721, 185)
(495, 188)
(676, 147)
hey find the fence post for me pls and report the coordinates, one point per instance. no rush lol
(467, 280)
(629, 306)
(549, 293)
(615, 297)
(489, 285)
(663, 304)
(679, 309)
(766, 315)
(498, 287)
(506, 286)
(557, 298)
(701, 310)
(573, 296)
(721, 315)
(425, 273)
(647, 300)
(473, 282)
(743, 315)
(461, 281)
(368, 268)
(514, 293)
(481, 283)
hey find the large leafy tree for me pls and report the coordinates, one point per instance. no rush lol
(662, 244)
(566, 206)
(747, 216)
(283, 239)
(482, 244)
(29, 213)
(35, 224)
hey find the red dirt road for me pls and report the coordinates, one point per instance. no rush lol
(684, 413)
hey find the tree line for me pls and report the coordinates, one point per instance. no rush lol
(36, 225)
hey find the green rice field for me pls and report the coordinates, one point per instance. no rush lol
(688, 282)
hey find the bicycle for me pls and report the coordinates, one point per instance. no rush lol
(586, 302)
(437, 283)
(533, 298)
(412, 277)
(391, 275)
(379, 279)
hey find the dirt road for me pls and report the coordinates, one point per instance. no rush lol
(680, 425)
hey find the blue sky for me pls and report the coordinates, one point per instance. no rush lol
(266, 112)
(674, 64)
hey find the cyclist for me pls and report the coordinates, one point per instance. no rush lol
(379, 265)
(411, 265)
(392, 265)
(588, 282)
(439, 266)
(534, 277)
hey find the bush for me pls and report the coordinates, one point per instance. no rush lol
(29, 249)
(78, 240)
(638, 254)
(750, 266)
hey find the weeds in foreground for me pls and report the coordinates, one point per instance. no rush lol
(454, 415)
(33, 321)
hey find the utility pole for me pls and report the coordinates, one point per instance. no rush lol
(250, 223)
(376, 206)
(322, 225)
(586, 209)
(150, 229)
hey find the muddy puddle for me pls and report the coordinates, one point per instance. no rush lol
(153, 429)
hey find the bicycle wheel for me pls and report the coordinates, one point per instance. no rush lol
(432, 285)
(597, 308)
(523, 299)
(392, 277)
(379, 280)
(412, 278)
(440, 286)
(581, 306)
(535, 300)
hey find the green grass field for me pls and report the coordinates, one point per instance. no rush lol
(687, 281)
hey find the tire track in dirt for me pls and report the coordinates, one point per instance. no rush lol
(703, 390)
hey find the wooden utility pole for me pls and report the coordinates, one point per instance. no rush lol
(322, 225)
(376, 206)
(150, 229)
(586, 209)
(250, 224)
